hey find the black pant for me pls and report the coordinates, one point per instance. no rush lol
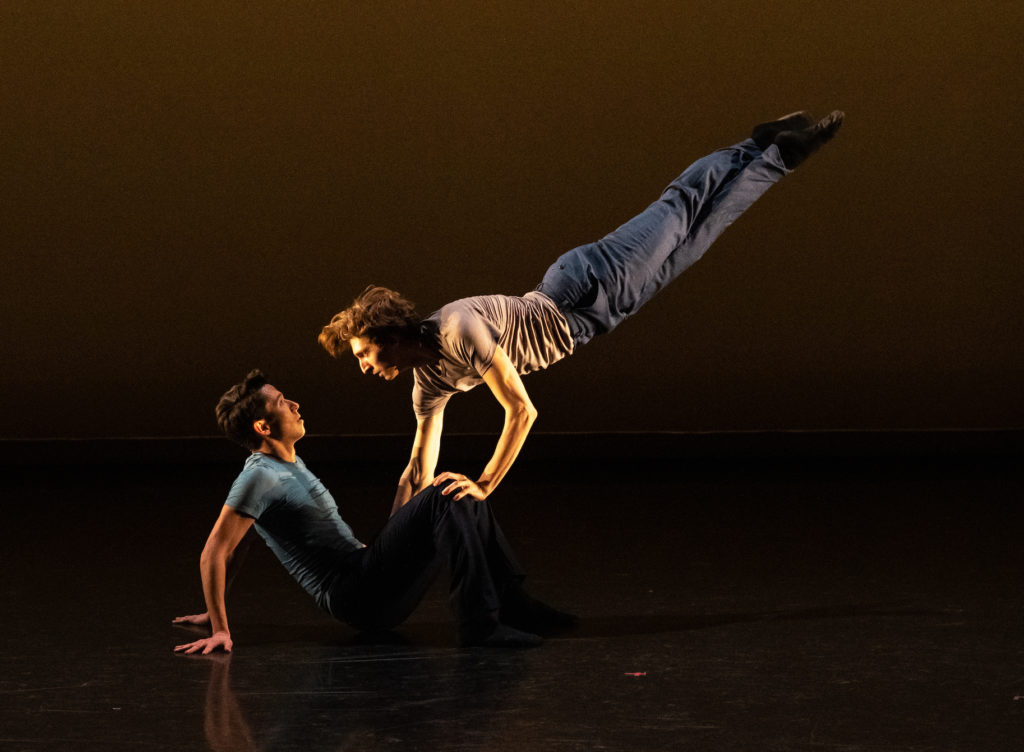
(390, 576)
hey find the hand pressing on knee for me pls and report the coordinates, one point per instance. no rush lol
(460, 485)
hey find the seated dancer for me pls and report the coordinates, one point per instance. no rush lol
(495, 339)
(370, 587)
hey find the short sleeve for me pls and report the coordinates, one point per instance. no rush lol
(253, 492)
(427, 401)
(473, 340)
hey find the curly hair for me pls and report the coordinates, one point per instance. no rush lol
(240, 407)
(379, 314)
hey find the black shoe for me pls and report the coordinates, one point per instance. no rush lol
(503, 636)
(523, 612)
(797, 145)
(765, 133)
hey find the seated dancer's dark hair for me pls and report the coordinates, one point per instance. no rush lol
(240, 407)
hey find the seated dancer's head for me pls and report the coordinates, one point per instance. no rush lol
(381, 329)
(254, 414)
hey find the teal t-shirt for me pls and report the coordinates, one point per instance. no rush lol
(297, 517)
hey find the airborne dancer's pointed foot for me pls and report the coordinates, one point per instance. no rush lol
(764, 134)
(797, 145)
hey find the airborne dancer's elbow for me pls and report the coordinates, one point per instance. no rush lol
(413, 475)
(527, 413)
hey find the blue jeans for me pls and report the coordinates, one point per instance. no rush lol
(596, 286)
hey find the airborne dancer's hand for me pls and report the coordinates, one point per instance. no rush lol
(460, 485)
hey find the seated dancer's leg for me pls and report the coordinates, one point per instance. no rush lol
(388, 578)
(599, 284)
(518, 609)
(393, 573)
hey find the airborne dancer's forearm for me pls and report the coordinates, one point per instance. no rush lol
(419, 473)
(518, 422)
(402, 494)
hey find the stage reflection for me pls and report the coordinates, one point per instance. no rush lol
(359, 698)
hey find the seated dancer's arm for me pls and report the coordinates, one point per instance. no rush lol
(234, 566)
(419, 472)
(227, 532)
(520, 414)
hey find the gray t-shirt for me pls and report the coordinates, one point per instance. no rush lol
(530, 329)
(297, 517)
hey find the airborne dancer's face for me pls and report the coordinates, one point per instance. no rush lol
(374, 358)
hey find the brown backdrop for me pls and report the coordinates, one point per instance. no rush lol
(187, 192)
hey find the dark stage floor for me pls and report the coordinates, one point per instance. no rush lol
(841, 605)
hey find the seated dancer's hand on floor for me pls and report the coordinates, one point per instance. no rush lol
(195, 620)
(216, 641)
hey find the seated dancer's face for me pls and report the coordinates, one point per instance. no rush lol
(283, 415)
(374, 359)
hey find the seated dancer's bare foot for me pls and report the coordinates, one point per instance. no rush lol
(501, 636)
(523, 612)
(797, 145)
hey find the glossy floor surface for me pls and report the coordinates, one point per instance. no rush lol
(844, 605)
